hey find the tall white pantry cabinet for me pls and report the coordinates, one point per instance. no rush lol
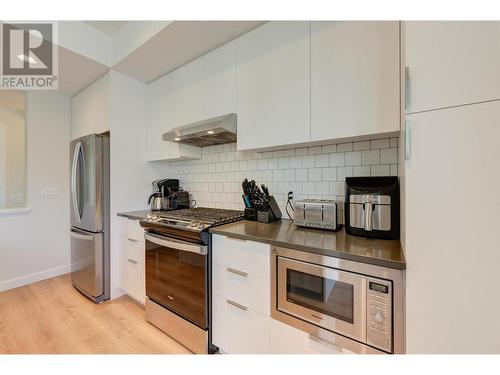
(452, 186)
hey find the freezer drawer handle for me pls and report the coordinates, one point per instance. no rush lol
(175, 244)
(237, 272)
(81, 236)
(236, 304)
(132, 261)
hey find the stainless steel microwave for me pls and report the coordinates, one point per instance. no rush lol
(352, 305)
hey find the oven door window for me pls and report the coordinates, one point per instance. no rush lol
(327, 296)
(176, 279)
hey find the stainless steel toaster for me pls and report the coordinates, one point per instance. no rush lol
(316, 213)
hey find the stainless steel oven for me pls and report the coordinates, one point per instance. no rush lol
(177, 289)
(348, 303)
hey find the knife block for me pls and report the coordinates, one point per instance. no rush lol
(273, 214)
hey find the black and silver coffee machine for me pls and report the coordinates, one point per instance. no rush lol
(372, 207)
(170, 195)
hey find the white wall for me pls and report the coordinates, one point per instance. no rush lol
(35, 245)
(91, 109)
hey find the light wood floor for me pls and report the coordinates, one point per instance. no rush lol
(52, 317)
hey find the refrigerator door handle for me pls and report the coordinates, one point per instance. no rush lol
(74, 169)
(76, 234)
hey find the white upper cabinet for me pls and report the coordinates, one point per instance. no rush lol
(273, 85)
(451, 63)
(163, 115)
(355, 72)
(208, 86)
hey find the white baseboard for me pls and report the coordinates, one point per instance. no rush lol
(34, 277)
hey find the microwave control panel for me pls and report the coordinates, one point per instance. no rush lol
(379, 314)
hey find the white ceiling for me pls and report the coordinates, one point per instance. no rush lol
(179, 43)
(77, 72)
(107, 27)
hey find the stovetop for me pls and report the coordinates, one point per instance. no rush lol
(193, 219)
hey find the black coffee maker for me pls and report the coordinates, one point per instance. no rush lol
(172, 196)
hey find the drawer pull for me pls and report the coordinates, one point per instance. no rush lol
(237, 272)
(132, 261)
(324, 342)
(236, 304)
(131, 240)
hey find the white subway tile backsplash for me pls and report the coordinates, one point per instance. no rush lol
(296, 162)
(394, 170)
(307, 161)
(362, 170)
(344, 147)
(329, 174)
(272, 163)
(322, 160)
(380, 143)
(353, 158)
(289, 175)
(302, 174)
(308, 188)
(267, 175)
(322, 188)
(343, 172)
(337, 159)
(315, 174)
(358, 146)
(380, 170)
(328, 149)
(314, 150)
(301, 151)
(389, 156)
(278, 175)
(370, 157)
(318, 171)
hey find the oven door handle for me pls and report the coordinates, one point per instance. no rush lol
(176, 244)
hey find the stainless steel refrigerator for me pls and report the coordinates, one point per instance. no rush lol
(90, 238)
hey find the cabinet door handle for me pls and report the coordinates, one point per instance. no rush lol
(407, 87)
(407, 140)
(131, 240)
(324, 342)
(237, 272)
(236, 304)
(132, 261)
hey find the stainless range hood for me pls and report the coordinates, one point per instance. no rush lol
(214, 131)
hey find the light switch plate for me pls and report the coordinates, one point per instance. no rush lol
(50, 192)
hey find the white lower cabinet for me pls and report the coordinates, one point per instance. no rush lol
(238, 329)
(285, 339)
(132, 278)
(241, 295)
(132, 259)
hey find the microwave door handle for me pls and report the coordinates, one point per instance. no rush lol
(368, 216)
(74, 170)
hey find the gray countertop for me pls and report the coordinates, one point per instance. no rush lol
(386, 253)
(284, 233)
(136, 215)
